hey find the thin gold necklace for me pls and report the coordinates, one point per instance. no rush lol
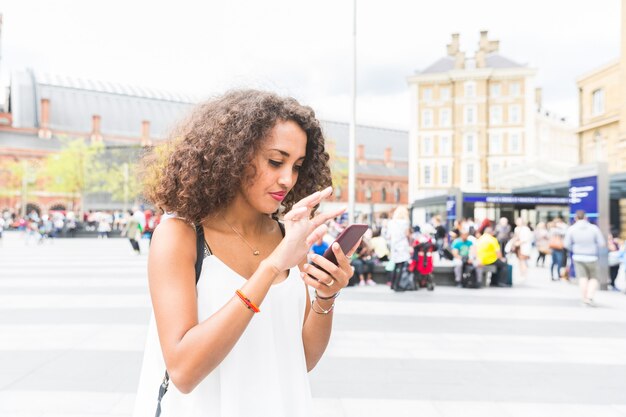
(255, 252)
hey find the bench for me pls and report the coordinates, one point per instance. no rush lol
(442, 275)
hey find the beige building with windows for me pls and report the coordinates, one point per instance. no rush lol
(601, 95)
(474, 121)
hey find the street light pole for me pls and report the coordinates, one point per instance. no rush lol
(352, 143)
(24, 187)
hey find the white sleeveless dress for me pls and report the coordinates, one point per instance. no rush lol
(265, 373)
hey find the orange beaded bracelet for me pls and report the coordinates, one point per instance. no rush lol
(247, 302)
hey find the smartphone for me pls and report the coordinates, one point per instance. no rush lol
(347, 239)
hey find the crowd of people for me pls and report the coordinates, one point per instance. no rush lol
(134, 224)
(473, 247)
(476, 249)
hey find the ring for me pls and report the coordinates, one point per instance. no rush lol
(332, 282)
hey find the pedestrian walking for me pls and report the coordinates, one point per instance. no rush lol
(522, 245)
(398, 233)
(542, 243)
(556, 236)
(503, 232)
(242, 338)
(585, 240)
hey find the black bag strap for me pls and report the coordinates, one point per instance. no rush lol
(202, 251)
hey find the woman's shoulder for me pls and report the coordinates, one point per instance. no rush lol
(176, 234)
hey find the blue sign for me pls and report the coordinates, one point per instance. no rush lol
(583, 195)
(513, 199)
(451, 208)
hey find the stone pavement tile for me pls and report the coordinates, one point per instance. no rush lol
(486, 326)
(83, 371)
(125, 406)
(73, 301)
(620, 408)
(471, 409)
(57, 402)
(374, 407)
(139, 315)
(560, 410)
(493, 312)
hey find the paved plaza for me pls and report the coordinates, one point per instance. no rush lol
(73, 318)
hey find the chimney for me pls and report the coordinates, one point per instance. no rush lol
(538, 97)
(388, 161)
(459, 60)
(96, 135)
(44, 125)
(360, 154)
(145, 133)
(453, 47)
(485, 47)
(481, 62)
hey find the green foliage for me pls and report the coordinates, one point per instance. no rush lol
(77, 168)
(122, 181)
(12, 175)
(338, 166)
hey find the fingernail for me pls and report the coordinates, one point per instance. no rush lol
(335, 245)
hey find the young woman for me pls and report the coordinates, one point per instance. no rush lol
(238, 163)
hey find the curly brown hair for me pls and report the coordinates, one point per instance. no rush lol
(201, 169)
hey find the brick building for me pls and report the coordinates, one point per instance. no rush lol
(42, 109)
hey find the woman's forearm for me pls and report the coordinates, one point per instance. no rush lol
(316, 332)
(203, 347)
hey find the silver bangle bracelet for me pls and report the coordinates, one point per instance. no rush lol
(332, 297)
(323, 311)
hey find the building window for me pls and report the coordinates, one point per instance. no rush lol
(398, 194)
(444, 118)
(427, 94)
(445, 145)
(494, 90)
(383, 194)
(514, 114)
(514, 143)
(444, 93)
(427, 118)
(427, 146)
(470, 115)
(444, 175)
(470, 89)
(495, 143)
(495, 168)
(368, 193)
(469, 171)
(514, 89)
(495, 115)
(597, 102)
(427, 175)
(470, 145)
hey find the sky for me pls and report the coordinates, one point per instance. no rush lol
(304, 48)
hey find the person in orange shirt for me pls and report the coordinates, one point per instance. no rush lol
(488, 252)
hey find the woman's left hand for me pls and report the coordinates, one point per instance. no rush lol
(331, 278)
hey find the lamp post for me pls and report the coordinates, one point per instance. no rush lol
(352, 142)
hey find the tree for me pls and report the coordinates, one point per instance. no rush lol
(338, 167)
(122, 182)
(77, 169)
